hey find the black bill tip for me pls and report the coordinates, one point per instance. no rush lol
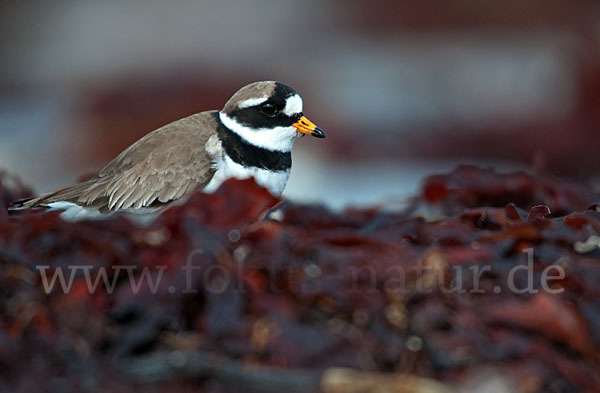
(317, 133)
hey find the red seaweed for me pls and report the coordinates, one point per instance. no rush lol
(267, 282)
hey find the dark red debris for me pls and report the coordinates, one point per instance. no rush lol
(304, 288)
(469, 186)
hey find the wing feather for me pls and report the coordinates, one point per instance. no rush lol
(165, 165)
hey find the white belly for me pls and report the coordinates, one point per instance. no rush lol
(226, 168)
(74, 212)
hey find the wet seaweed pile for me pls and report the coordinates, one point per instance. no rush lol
(486, 277)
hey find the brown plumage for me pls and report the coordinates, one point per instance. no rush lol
(163, 166)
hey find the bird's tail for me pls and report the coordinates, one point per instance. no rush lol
(68, 194)
(21, 204)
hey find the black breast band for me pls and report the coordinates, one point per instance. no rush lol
(249, 155)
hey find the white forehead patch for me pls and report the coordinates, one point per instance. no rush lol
(252, 102)
(293, 105)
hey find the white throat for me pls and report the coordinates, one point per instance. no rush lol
(275, 139)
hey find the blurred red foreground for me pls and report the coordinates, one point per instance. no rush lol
(305, 290)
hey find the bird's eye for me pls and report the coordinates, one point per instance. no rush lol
(268, 109)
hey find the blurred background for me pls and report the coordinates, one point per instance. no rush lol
(402, 88)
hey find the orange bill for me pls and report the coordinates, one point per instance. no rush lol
(306, 126)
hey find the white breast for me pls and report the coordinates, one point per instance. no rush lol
(226, 168)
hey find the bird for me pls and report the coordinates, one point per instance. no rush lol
(252, 136)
